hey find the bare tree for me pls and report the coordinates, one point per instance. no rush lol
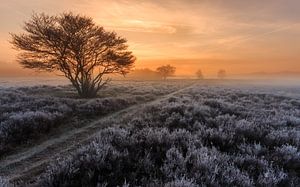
(74, 45)
(222, 74)
(199, 74)
(166, 71)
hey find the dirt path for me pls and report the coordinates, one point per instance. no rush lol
(23, 168)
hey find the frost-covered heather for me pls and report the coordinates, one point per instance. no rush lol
(206, 136)
(3, 182)
(28, 112)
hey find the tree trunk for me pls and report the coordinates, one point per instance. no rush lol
(88, 93)
(86, 90)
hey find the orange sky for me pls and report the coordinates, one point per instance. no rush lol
(239, 36)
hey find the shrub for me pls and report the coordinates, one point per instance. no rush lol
(3, 182)
(19, 127)
(205, 136)
(28, 112)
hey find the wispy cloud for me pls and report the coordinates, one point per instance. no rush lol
(141, 26)
(259, 35)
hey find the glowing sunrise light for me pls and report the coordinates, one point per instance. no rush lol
(239, 36)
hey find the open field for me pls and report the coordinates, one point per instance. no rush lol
(151, 133)
(28, 112)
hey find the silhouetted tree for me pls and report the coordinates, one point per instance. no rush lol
(166, 71)
(76, 46)
(199, 74)
(222, 74)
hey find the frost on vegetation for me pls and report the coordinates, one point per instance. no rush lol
(28, 112)
(206, 136)
(3, 182)
(181, 182)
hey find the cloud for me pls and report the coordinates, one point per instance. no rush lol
(134, 25)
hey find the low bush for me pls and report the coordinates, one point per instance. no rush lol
(26, 113)
(3, 182)
(19, 127)
(202, 137)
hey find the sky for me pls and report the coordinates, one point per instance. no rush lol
(241, 37)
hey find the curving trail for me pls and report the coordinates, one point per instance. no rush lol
(24, 167)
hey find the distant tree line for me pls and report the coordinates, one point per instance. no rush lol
(221, 74)
(165, 71)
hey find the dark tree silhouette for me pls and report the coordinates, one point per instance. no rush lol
(166, 71)
(74, 45)
(199, 74)
(222, 74)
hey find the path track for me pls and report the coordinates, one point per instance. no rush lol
(23, 168)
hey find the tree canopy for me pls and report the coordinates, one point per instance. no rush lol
(199, 74)
(166, 71)
(74, 45)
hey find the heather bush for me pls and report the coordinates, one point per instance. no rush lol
(140, 157)
(28, 112)
(118, 155)
(3, 182)
(19, 127)
(206, 136)
(103, 106)
(181, 182)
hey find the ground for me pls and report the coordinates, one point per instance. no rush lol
(139, 133)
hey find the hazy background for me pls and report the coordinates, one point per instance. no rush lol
(258, 38)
